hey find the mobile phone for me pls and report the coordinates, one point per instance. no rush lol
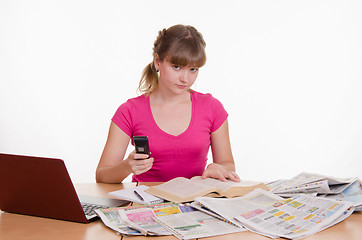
(141, 144)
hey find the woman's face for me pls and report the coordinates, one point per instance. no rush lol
(174, 78)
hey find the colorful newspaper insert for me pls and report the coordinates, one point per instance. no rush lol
(196, 224)
(296, 217)
(143, 219)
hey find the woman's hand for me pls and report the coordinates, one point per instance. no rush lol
(218, 171)
(139, 163)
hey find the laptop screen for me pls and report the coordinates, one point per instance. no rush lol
(39, 187)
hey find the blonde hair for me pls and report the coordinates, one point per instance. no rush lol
(181, 45)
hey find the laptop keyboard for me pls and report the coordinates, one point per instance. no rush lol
(89, 209)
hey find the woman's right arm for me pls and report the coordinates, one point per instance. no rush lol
(112, 167)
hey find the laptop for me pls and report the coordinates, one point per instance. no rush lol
(42, 187)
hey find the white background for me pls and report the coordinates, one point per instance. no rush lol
(289, 73)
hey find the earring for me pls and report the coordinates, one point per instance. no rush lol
(157, 70)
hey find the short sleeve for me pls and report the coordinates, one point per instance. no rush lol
(219, 114)
(123, 118)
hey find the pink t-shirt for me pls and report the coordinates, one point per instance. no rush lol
(184, 155)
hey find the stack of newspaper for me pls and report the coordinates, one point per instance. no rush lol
(259, 211)
(293, 209)
(143, 220)
(292, 218)
(348, 189)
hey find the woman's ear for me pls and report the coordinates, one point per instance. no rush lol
(156, 61)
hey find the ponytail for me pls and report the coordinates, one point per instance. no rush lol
(149, 79)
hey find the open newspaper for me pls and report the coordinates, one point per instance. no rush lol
(313, 183)
(196, 224)
(145, 220)
(114, 218)
(353, 194)
(219, 220)
(344, 189)
(296, 217)
(228, 208)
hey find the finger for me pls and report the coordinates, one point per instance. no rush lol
(234, 177)
(142, 168)
(204, 175)
(237, 176)
(138, 156)
(141, 162)
(145, 163)
(221, 177)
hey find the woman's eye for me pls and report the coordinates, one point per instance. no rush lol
(194, 69)
(176, 67)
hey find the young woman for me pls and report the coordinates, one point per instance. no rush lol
(181, 124)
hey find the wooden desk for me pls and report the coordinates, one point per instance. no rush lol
(21, 227)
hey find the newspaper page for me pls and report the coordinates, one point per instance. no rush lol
(296, 217)
(112, 219)
(300, 179)
(196, 224)
(353, 194)
(275, 184)
(312, 183)
(201, 208)
(228, 208)
(143, 219)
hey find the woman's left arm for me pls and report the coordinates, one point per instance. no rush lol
(223, 166)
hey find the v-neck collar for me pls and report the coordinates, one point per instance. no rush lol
(147, 98)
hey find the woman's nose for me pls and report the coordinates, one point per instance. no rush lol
(183, 76)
